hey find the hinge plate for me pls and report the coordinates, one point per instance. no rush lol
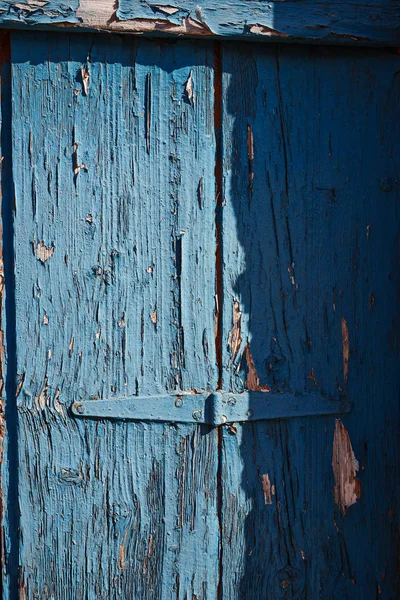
(215, 408)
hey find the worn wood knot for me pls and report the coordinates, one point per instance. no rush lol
(288, 583)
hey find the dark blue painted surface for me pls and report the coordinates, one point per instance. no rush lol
(310, 229)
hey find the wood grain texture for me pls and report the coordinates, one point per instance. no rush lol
(310, 231)
(9, 456)
(4, 83)
(115, 271)
(115, 278)
(350, 22)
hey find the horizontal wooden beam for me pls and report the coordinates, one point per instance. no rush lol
(363, 22)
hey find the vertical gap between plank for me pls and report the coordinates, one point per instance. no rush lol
(219, 281)
(9, 491)
(4, 53)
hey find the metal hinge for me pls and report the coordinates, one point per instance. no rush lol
(215, 408)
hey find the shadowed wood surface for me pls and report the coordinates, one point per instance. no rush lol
(310, 230)
(115, 272)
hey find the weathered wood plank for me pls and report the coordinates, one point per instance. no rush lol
(4, 466)
(9, 434)
(330, 21)
(310, 232)
(114, 149)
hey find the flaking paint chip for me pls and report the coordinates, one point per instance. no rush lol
(234, 338)
(268, 490)
(189, 88)
(345, 466)
(258, 29)
(168, 10)
(85, 74)
(43, 252)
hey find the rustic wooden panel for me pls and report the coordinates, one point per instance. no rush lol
(352, 21)
(7, 416)
(9, 432)
(113, 147)
(310, 229)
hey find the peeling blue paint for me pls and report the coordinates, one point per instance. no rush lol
(372, 22)
(40, 13)
(317, 21)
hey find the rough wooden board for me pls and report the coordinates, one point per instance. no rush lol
(4, 83)
(115, 276)
(350, 22)
(9, 458)
(310, 232)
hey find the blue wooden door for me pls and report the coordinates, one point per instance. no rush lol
(201, 246)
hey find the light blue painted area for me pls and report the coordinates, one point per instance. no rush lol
(115, 277)
(41, 13)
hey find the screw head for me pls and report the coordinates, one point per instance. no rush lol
(197, 414)
(250, 413)
(178, 402)
(80, 408)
